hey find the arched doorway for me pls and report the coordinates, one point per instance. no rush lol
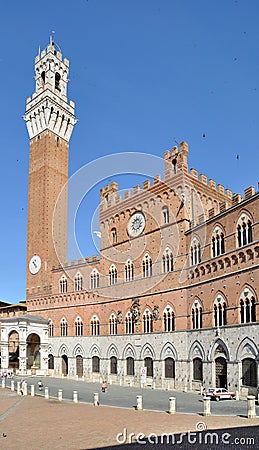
(33, 351)
(169, 368)
(113, 365)
(148, 363)
(13, 350)
(64, 365)
(50, 362)
(79, 365)
(221, 372)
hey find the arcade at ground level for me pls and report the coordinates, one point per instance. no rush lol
(186, 360)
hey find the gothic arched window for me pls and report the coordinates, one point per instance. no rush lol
(147, 266)
(196, 315)
(168, 261)
(95, 279)
(168, 317)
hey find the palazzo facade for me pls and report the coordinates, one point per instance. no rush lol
(174, 288)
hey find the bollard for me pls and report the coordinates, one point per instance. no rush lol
(25, 388)
(12, 385)
(251, 414)
(18, 388)
(139, 403)
(3, 383)
(32, 390)
(96, 399)
(171, 409)
(237, 395)
(206, 406)
(153, 385)
(60, 395)
(75, 396)
(46, 393)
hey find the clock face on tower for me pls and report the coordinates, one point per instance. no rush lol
(136, 224)
(34, 264)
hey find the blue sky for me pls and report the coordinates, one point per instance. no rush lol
(144, 74)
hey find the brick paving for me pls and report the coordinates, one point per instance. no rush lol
(34, 423)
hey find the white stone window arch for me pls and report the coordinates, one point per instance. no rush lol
(79, 326)
(51, 328)
(217, 242)
(169, 318)
(63, 284)
(113, 275)
(147, 321)
(168, 260)
(129, 323)
(78, 282)
(95, 326)
(195, 252)
(247, 305)
(196, 315)
(63, 327)
(220, 311)
(113, 324)
(147, 266)
(95, 279)
(129, 271)
(244, 230)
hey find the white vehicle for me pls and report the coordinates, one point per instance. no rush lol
(219, 394)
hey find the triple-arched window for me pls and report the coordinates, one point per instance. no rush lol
(195, 252)
(113, 275)
(79, 326)
(95, 279)
(63, 327)
(129, 323)
(168, 318)
(220, 311)
(168, 261)
(78, 282)
(113, 324)
(95, 326)
(129, 271)
(218, 242)
(147, 321)
(147, 266)
(244, 231)
(247, 307)
(196, 315)
(63, 284)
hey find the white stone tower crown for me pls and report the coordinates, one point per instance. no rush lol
(48, 108)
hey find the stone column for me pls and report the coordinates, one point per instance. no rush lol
(12, 385)
(32, 390)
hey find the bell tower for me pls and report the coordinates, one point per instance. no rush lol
(50, 121)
